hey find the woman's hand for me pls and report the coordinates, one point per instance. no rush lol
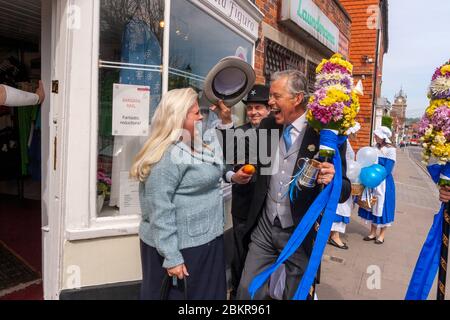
(444, 193)
(326, 173)
(241, 177)
(222, 111)
(179, 271)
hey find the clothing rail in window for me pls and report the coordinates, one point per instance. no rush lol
(130, 66)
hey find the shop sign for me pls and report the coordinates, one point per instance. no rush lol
(234, 12)
(131, 107)
(307, 15)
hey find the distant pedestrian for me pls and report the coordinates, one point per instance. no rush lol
(382, 213)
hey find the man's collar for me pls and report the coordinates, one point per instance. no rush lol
(300, 123)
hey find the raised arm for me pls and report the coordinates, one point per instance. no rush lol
(12, 97)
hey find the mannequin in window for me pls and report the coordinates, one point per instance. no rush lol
(140, 46)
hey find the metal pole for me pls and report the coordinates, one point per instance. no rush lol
(444, 254)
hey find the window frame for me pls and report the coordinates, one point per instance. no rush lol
(81, 223)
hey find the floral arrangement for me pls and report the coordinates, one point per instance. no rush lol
(434, 128)
(103, 184)
(334, 104)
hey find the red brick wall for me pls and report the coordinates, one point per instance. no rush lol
(364, 43)
(272, 12)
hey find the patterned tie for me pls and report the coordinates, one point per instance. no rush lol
(287, 136)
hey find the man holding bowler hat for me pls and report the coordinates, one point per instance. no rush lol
(272, 217)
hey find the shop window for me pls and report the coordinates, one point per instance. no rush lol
(131, 58)
(131, 38)
(279, 58)
(197, 42)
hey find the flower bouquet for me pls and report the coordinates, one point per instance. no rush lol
(434, 127)
(334, 104)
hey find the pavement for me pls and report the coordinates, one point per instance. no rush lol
(367, 271)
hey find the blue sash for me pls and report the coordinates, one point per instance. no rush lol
(428, 261)
(328, 199)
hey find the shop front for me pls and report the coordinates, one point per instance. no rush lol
(298, 34)
(121, 55)
(105, 65)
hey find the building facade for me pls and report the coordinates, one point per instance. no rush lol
(298, 35)
(369, 43)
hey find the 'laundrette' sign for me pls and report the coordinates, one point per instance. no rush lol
(307, 15)
(234, 12)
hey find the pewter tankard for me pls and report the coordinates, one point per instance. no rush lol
(309, 172)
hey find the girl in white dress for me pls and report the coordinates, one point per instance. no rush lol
(344, 210)
(382, 214)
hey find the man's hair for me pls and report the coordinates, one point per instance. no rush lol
(297, 82)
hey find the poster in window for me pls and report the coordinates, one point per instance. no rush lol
(129, 195)
(131, 108)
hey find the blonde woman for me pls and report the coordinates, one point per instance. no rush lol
(182, 208)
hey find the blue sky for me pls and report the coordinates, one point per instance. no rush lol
(419, 42)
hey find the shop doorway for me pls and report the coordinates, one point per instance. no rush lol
(25, 58)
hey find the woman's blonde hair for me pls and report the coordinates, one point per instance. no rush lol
(166, 129)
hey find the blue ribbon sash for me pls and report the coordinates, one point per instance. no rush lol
(428, 262)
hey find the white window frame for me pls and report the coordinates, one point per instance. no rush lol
(81, 219)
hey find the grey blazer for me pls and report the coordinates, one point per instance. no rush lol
(181, 201)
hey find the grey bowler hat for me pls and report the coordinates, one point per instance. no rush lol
(229, 80)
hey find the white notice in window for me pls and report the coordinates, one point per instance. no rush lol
(131, 107)
(129, 195)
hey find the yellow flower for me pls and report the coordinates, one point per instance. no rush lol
(336, 59)
(445, 69)
(320, 66)
(333, 96)
(309, 115)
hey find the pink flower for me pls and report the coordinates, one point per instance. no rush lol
(103, 178)
(441, 120)
(423, 124)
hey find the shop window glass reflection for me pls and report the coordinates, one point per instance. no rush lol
(131, 38)
(197, 42)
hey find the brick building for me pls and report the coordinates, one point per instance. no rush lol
(299, 34)
(369, 43)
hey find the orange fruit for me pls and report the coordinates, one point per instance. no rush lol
(249, 169)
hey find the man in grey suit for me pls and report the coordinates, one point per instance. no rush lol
(272, 217)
